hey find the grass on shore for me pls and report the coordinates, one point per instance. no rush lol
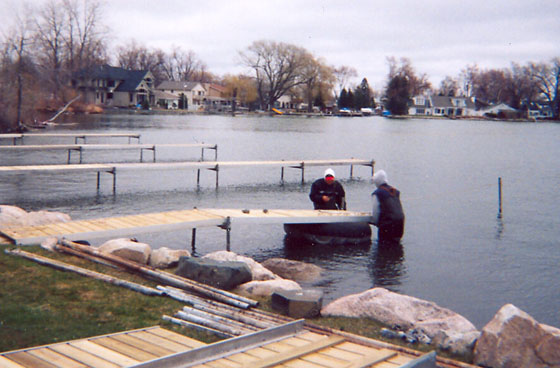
(40, 305)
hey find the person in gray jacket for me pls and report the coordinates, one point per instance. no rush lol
(387, 212)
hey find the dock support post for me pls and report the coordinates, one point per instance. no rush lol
(282, 175)
(499, 197)
(198, 178)
(193, 239)
(302, 173)
(68, 162)
(227, 227)
(98, 175)
(114, 172)
(351, 171)
(154, 149)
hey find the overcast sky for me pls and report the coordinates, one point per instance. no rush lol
(440, 37)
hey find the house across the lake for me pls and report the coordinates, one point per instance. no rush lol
(116, 87)
(442, 106)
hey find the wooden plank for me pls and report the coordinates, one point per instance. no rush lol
(178, 338)
(143, 345)
(299, 363)
(375, 358)
(341, 354)
(28, 360)
(325, 361)
(125, 349)
(51, 356)
(160, 341)
(103, 352)
(8, 363)
(82, 356)
(297, 352)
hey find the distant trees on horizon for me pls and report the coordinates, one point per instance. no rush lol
(46, 45)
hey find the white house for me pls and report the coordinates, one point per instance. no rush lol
(191, 95)
(441, 106)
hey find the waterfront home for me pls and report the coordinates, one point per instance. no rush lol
(441, 106)
(191, 95)
(114, 87)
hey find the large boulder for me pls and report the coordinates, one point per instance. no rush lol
(408, 313)
(12, 216)
(165, 258)
(293, 270)
(128, 249)
(514, 339)
(221, 274)
(258, 272)
(266, 288)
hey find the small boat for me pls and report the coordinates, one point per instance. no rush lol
(336, 233)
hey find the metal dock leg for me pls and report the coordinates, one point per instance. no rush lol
(227, 227)
(193, 239)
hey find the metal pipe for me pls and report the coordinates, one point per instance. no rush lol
(193, 239)
(196, 326)
(500, 197)
(208, 323)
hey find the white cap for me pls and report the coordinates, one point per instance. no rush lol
(329, 172)
(380, 178)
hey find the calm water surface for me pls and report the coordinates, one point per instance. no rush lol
(455, 251)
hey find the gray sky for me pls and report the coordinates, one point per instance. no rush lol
(439, 37)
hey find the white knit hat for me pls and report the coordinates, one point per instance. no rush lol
(380, 178)
(329, 172)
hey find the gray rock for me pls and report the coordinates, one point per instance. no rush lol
(407, 313)
(12, 217)
(266, 288)
(258, 272)
(221, 274)
(165, 258)
(128, 249)
(293, 270)
(514, 339)
(305, 303)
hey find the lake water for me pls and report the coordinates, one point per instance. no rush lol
(455, 252)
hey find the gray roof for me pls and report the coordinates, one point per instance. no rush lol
(130, 78)
(177, 85)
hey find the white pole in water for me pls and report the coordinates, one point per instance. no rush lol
(499, 197)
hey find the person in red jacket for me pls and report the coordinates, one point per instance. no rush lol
(327, 193)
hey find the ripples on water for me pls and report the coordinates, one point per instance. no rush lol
(455, 251)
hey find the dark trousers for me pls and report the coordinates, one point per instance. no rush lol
(391, 231)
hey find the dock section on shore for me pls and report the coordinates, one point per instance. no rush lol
(174, 220)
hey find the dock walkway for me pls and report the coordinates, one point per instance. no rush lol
(113, 168)
(86, 147)
(172, 221)
(289, 345)
(77, 136)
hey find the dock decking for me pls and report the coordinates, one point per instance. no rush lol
(86, 147)
(113, 168)
(289, 345)
(77, 136)
(172, 221)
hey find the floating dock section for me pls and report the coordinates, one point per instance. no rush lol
(20, 137)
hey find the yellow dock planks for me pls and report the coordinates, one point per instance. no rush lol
(174, 220)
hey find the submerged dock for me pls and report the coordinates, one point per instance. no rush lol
(174, 220)
(216, 166)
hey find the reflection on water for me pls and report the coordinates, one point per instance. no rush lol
(387, 267)
(299, 249)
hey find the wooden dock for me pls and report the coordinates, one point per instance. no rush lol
(289, 345)
(80, 148)
(172, 221)
(15, 137)
(113, 168)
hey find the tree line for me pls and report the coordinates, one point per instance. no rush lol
(45, 46)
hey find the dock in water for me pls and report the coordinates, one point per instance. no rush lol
(113, 168)
(174, 220)
(77, 136)
(80, 148)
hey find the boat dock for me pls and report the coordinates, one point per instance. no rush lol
(287, 345)
(174, 220)
(113, 168)
(15, 137)
(86, 147)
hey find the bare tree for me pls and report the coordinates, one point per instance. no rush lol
(343, 74)
(316, 75)
(448, 87)
(277, 67)
(547, 79)
(182, 65)
(417, 84)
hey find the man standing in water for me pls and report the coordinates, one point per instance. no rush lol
(327, 193)
(387, 212)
